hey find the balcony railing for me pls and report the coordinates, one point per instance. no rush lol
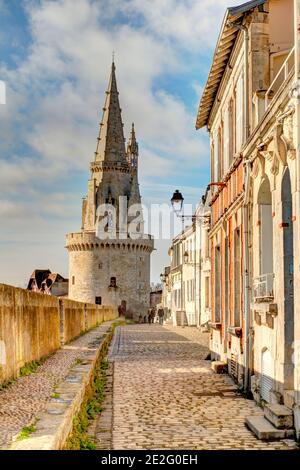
(263, 287)
(282, 75)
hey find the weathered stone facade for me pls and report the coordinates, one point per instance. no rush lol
(251, 107)
(109, 260)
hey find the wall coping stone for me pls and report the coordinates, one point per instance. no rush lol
(55, 424)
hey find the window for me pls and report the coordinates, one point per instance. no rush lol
(226, 140)
(237, 277)
(212, 161)
(206, 244)
(98, 300)
(220, 154)
(239, 111)
(113, 282)
(231, 119)
(73, 280)
(207, 303)
(217, 284)
(264, 200)
(227, 257)
(100, 266)
(216, 157)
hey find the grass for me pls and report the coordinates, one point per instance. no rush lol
(92, 404)
(26, 431)
(55, 395)
(6, 384)
(30, 368)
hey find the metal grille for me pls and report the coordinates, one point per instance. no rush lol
(266, 375)
(234, 366)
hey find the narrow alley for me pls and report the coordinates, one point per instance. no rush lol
(162, 394)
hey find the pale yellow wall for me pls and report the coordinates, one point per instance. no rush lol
(34, 325)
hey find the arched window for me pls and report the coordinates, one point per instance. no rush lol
(264, 200)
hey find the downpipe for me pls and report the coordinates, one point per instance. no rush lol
(246, 277)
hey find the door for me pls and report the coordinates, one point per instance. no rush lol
(266, 375)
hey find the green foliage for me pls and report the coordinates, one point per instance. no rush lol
(55, 395)
(87, 444)
(92, 404)
(6, 384)
(26, 431)
(29, 368)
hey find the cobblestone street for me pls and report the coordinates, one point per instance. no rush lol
(162, 394)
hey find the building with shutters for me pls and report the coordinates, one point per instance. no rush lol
(109, 259)
(181, 279)
(251, 108)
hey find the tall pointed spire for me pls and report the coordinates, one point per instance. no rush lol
(110, 145)
(132, 149)
(132, 146)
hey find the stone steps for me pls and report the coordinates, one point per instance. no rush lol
(279, 415)
(265, 431)
(289, 398)
(219, 367)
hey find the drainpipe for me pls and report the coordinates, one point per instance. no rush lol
(247, 313)
(247, 318)
(247, 288)
(297, 134)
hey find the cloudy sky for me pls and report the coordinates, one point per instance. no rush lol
(55, 57)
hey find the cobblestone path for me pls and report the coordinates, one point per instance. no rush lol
(22, 401)
(162, 394)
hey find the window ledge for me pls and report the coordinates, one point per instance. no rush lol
(235, 331)
(215, 325)
(266, 307)
(262, 300)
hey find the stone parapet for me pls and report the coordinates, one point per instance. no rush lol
(87, 241)
(34, 325)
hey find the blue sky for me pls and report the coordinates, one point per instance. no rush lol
(55, 58)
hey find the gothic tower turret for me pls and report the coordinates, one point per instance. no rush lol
(107, 263)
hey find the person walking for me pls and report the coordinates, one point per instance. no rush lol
(152, 314)
(161, 314)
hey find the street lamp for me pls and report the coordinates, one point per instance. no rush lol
(186, 257)
(162, 277)
(177, 203)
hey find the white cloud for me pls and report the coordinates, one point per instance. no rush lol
(56, 92)
(192, 24)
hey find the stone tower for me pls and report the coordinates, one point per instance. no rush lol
(109, 259)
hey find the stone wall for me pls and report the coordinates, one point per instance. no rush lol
(34, 325)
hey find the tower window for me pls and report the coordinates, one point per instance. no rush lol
(73, 280)
(98, 300)
(113, 282)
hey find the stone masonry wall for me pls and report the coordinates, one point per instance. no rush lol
(93, 263)
(35, 325)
